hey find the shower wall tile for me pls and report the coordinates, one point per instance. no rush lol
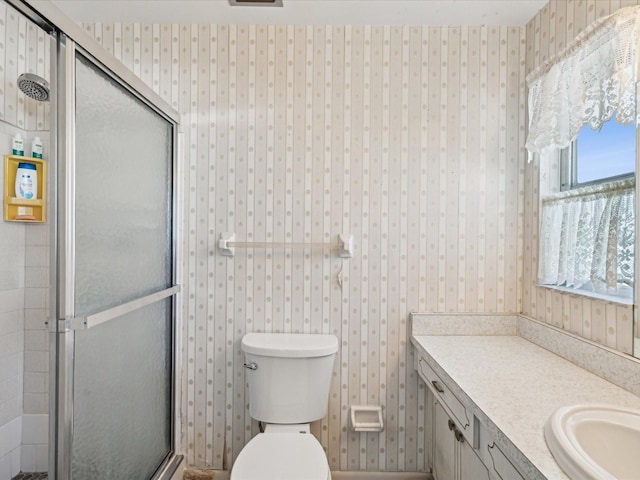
(12, 283)
(10, 450)
(37, 256)
(409, 138)
(36, 314)
(35, 429)
(551, 30)
(24, 48)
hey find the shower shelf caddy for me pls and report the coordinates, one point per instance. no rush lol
(22, 209)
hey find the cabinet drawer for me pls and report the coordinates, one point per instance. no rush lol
(502, 465)
(449, 400)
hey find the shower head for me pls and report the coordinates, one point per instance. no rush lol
(34, 86)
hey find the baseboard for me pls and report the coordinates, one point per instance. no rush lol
(225, 475)
(379, 476)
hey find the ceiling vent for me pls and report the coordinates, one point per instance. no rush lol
(255, 3)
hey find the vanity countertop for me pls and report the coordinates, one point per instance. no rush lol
(513, 386)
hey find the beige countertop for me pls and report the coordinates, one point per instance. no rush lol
(513, 386)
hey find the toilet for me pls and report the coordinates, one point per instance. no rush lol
(289, 377)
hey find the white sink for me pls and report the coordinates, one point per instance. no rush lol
(595, 442)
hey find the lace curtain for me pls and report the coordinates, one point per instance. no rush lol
(588, 237)
(586, 84)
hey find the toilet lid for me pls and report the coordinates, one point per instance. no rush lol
(281, 456)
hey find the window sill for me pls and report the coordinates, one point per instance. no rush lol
(590, 294)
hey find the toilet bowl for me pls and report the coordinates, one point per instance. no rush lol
(289, 377)
(282, 452)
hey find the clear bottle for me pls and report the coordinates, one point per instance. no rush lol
(18, 145)
(36, 148)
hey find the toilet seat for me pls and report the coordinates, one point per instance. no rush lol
(281, 456)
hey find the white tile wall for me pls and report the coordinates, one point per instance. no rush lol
(24, 276)
(35, 430)
(24, 47)
(10, 448)
(12, 282)
(36, 326)
(34, 455)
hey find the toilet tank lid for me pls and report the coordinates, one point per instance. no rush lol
(289, 345)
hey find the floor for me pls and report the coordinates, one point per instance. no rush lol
(31, 476)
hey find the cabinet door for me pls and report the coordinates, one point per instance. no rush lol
(471, 467)
(444, 445)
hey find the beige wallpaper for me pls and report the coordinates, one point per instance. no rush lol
(409, 138)
(607, 323)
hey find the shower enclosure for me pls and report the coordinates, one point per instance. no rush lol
(115, 302)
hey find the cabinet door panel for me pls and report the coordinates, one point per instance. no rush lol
(471, 467)
(444, 446)
(502, 465)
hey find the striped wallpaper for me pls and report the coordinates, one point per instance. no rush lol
(606, 323)
(409, 138)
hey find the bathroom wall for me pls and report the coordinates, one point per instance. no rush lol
(23, 354)
(409, 138)
(604, 322)
(35, 424)
(12, 264)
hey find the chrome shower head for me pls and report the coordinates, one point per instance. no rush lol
(34, 86)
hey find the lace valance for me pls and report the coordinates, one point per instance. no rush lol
(591, 80)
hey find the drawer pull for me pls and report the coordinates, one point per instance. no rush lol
(437, 386)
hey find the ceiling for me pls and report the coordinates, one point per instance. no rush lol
(306, 12)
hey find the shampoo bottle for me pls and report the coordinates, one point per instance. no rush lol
(36, 148)
(27, 181)
(18, 145)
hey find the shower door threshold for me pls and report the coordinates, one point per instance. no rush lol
(171, 468)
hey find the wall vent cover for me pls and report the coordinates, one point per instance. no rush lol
(256, 3)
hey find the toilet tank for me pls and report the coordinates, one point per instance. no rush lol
(292, 378)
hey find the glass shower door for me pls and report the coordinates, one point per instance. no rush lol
(117, 280)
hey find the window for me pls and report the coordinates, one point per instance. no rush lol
(587, 237)
(598, 156)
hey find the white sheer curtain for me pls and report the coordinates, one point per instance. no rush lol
(588, 237)
(586, 84)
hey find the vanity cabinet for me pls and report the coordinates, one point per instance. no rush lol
(463, 448)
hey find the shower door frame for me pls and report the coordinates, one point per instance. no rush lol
(66, 39)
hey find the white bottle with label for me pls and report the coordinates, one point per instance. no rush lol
(36, 148)
(27, 181)
(18, 145)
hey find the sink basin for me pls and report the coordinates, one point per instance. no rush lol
(595, 442)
